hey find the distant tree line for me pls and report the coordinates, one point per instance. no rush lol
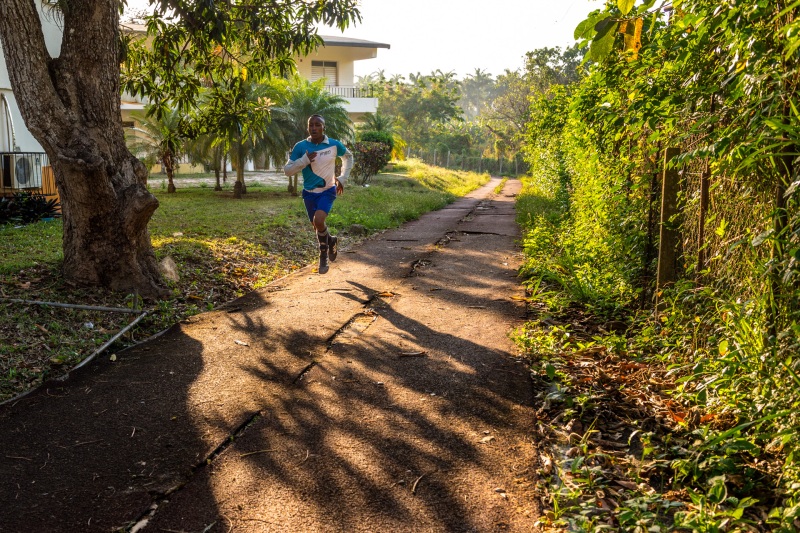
(459, 123)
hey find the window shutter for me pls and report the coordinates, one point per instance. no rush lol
(324, 69)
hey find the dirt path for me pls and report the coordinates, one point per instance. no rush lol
(382, 396)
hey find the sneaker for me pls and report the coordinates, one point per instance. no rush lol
(333, 247)
(323, 259)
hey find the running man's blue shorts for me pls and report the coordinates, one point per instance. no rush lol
(319, 201)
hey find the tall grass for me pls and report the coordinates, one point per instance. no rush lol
(454, 182)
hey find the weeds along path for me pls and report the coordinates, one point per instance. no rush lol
(382, 396)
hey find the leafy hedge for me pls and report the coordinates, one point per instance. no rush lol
(378, 137)
(370, 158)
(720, 86)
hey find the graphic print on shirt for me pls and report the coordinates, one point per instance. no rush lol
(318, 175)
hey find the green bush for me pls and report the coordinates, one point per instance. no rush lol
(370, 158)
(378, 137)
(27, 207)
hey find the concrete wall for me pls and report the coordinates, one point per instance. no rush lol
(20, 139)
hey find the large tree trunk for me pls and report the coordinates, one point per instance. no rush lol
(71, 105)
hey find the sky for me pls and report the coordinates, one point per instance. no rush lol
(460, 36)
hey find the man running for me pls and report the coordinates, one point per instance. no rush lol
(316, 158)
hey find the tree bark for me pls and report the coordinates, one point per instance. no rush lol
(239, 187)
(218, 186)
(169, 168)
(71, 105)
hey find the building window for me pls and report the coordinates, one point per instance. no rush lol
(128, 124)
(324, 69)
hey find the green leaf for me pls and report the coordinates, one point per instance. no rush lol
(723, 348)
(723, 225)
(625, 6)
(717, 492)
(603, 43)
(551, 371)
(582, 31)
(586, 29)
(603, 25)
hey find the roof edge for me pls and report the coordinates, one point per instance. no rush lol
(330, 40)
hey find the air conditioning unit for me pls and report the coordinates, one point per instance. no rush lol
(25, 170)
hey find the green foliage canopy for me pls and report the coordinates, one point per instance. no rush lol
(377, 136)
(419, 105)
(191, 44)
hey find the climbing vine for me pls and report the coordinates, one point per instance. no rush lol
(716, 83)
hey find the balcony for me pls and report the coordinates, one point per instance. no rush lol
(360, 100)
(350, 91)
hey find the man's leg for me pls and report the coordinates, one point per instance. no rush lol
(322, 238)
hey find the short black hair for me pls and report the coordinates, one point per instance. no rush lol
(317, 116)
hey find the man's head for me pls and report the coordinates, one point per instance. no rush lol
(316, 127)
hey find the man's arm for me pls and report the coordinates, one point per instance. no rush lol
(293, 166)
(347, 165)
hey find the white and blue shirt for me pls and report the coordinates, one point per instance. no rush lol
(320, 174)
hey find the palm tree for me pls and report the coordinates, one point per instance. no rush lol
(208, 150)
(304, 98)
(159, 139)
(377, 122)
(241, 113)
(477, 91)
(387, 124)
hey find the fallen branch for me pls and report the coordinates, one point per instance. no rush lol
(413, 354)
(259, 451)
(416, 481)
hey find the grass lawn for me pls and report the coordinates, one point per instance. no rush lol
(223, 248)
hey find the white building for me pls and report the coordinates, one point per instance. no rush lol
(24, 165)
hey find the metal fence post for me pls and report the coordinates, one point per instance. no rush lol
(669, 236)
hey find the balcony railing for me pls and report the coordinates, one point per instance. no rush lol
(26, 171)
(350, 92)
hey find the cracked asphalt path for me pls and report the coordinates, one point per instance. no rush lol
(383, 396)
